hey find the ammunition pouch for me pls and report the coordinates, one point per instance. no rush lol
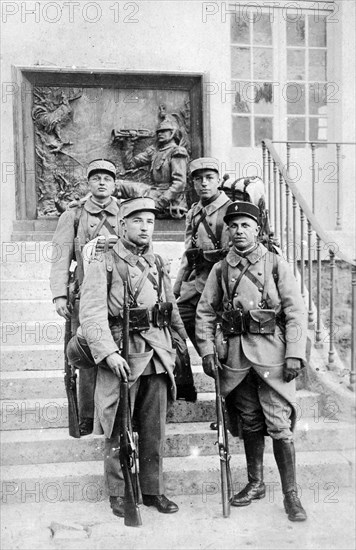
(261, 321)
(221, 344)
(214, 256)
(233, 322)
(162, 314)
(195, 258)
(139, 319)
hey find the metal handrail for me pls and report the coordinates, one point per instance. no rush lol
(281, 218)
(302, 202)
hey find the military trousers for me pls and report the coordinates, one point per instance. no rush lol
(260, 407)
(148, 398)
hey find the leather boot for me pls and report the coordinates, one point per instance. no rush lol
(255, 489)
(284, 454)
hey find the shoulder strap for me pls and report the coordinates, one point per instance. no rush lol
(196, 226)
(78, 213)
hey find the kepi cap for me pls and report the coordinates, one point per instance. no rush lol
(204, 163)
(139, 204)
(242, 208)
(102, 165)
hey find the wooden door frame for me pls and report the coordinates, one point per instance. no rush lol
(25, 78)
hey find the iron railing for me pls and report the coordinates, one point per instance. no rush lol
(303, 240)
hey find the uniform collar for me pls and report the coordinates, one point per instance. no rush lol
(128, 252)
(234, 258)
(213, 206)
(111, 208)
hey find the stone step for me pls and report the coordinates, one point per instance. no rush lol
(34, 289)
(31, 358)
(189, 439)
(30, 384)
(75, 481)
(39, 413)
(41, 333)
(13, 310)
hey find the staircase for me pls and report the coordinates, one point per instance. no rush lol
(40, 462)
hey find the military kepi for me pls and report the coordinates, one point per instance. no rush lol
(204, 163)
(101, 165)
(242, 208)
(139, 204)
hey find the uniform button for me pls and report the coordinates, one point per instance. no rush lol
(260, 289)
(262, 329)
(259, 273)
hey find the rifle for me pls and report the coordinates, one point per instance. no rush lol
(70, 382)
(223, 446)
(128, 439)
(133, 134)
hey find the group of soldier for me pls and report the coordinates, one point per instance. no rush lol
(238, 303)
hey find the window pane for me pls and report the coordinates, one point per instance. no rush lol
(240, 63)
(317, 98)
(262, 63)
(318, 128)
(241, 131)
(294, 95)
(317, 65)
(296, 129)
(262, 30)
(240, 30)
(296, 64)
(317, 30)
(253, 96)
(263, 129)
(296, 31)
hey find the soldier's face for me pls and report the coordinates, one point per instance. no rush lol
(243, 232)
(164, 136)
(101, 185)
(206, 183)
(138, 228)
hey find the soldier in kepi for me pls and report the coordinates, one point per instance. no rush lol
(83, 221)
(206, 239)
(168, 169)
(254, 299)
(151, 358)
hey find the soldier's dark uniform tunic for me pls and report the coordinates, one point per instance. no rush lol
(90, 219)
(190, 282)
(151, 360)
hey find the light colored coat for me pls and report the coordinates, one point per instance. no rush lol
(266, 353)
(63, 239)
(153, 345)
(189, 283)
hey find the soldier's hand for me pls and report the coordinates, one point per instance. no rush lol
(209, 365)
(63, 308)
(118, 365)
(291, 369)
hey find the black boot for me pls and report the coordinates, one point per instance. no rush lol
(284, 454)
(255, 489)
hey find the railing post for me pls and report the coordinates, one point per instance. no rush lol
(331, 354)
(263, 162)
(353, 329)
(302, 271)
(281, 216)
(318, 341)
(310, 278)
(269, 166)
(294, 205)
(338, 188)
(312, 145)
(287, 221)
(275, 205)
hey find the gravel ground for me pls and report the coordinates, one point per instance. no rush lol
(198, 525)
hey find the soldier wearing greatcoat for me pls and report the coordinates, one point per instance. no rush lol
(252, 310)
(151, 355)
(97, 215)
(206, 239)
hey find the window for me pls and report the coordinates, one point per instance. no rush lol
(252, 77)
(279, 76)
(306, 79)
